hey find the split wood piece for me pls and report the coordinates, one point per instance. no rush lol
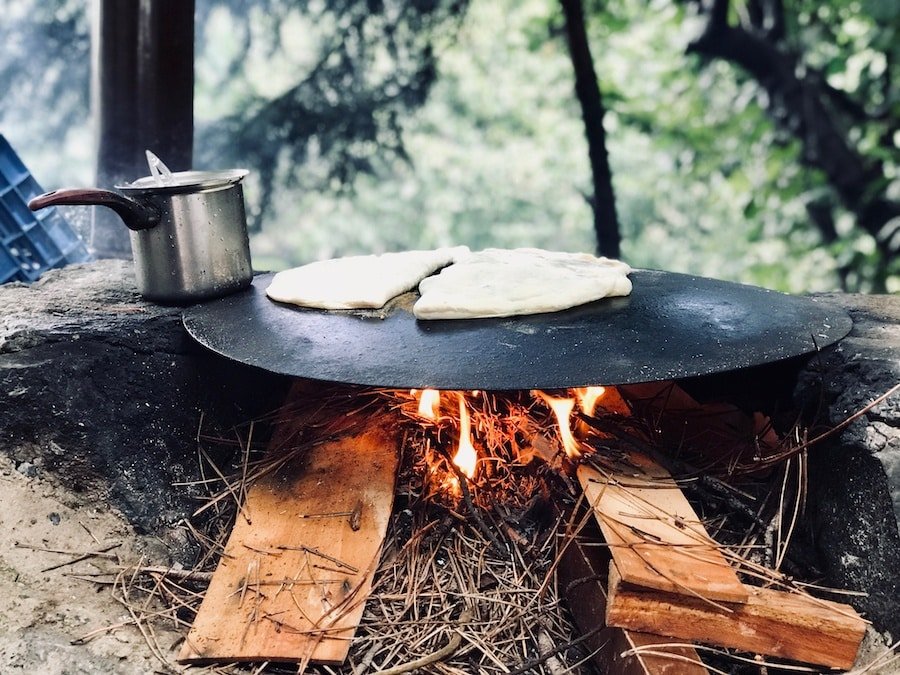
(774, 623)
(655, 537)
(581, 577)
(296, 572)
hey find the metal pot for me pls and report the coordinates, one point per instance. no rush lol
(188, 231)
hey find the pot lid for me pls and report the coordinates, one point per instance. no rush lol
(184, 181)
(671, 326)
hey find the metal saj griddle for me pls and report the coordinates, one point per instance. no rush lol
(671, 326)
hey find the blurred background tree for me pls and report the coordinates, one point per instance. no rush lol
(841, 106)
(747, 140)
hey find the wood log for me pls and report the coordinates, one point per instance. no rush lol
(582, 576)
(300, 560)
(771, 622)
(654, 534)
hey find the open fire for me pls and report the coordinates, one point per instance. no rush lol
(465, 457)
(495, 494)
(483, 432)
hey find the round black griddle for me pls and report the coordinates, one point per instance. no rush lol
(671, 326)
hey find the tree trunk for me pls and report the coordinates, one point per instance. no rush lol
(143, 96)
(603, 201)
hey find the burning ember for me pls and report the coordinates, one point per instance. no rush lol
(429, 403)
(588, 398)
(492, 439)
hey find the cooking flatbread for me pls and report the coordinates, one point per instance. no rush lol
(498, 282)
(355, 282)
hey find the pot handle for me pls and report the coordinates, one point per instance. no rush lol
(136, 216)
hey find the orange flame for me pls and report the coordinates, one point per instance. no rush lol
(588, 397)
(562, 409)
(429, 403)
(465, 457)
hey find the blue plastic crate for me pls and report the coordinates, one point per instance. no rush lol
(9, 266)
(10, 165)
(67, 239)
(27, 257)
(9, 226)
(30, 242)
(17, 208)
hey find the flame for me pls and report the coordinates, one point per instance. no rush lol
(465, 457)
(588, 397)
(429, 403)
(562, 408)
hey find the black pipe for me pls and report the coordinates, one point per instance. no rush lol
(143, 97)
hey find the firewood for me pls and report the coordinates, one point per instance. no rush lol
(653, 533)
(581, 576)
(323, 565)
(771, 622)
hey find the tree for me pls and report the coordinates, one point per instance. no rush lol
(374, 63)
(777, 134)
(343, 113)
(850, 135)
(587, 89)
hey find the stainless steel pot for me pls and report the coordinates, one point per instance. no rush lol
(188, 231)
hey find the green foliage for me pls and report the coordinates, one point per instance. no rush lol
(704, 183)
(317, 85)
(492, 158)
(44, 73)
(422, 128)
(722, 131)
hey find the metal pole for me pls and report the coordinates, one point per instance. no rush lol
(143, 98)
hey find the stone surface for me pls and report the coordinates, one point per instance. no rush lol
(107, 390)
(866, 363)
(854, 476)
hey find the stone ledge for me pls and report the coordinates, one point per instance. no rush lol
(863, 365)
(107, 390)
(854, 476)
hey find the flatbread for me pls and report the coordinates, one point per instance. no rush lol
(356, 282)
(499, 282)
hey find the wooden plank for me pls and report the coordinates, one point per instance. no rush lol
(775, 623)
(293, 578)
(581, 577)
(655, 537)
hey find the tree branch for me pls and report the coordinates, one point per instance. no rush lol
(800, 105)
(776, 29)
(718, 15)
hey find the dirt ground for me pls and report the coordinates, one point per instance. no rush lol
(42, 611)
